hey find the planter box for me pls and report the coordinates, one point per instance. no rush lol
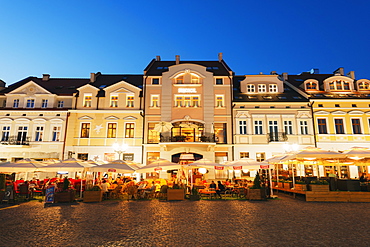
(68, 196)
(287, 185)
(256, 194)
(93, 196)
(318, 187)
(301, 187)
(280, 184)
(175, 194)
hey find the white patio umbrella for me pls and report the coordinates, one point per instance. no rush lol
(357, 153)
(159, 165)
(163, 126)
(24, 165)
(118, 166)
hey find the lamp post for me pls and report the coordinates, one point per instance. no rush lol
(120, 149)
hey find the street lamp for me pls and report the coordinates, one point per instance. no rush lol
(120, 149)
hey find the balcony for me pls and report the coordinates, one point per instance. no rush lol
(15, 140)
(205, 137)
(277, 137)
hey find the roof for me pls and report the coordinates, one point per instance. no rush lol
(156, 68)
(289, 94)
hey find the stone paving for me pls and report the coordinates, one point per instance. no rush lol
(279, 222)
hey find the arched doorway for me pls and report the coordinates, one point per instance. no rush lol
(185, 157)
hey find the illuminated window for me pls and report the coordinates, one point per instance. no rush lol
(114, 101)
(219, 101)
(220, 132)
(194, 80)
(30, 103)
(85, 130)
(244, 155)
(129, 130)
(261, 88)
(339, 85)
(260, 157)
(311, 85)
(178, 102)
(195, 101)
(273, 88)
(363, 85)
(44, 103)
(180, 80)
(39, 133)
(187, 101)
(112, 130)
(16, 103)
(250, 88)
(154, 101)
(87, 101)
(55, 136)
(130, 101)
(153, 136)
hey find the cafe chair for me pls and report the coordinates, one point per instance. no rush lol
(162, 194)
(24, 192)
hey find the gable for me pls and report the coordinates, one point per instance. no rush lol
(29, 88)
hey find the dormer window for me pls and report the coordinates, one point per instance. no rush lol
(261, 88)
(311, 85)
(250, 88)
(180, 80)
(363, 85)
(194, 80)
(273, 88)
(339, 85)
(87, 100)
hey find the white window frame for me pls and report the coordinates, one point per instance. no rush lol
(130, 103)
(222, 81)
(220, 103)
(113, 100)
(56, 128)
(39, 132)
(344, 125)
(154, 103)
(30, 103)
(44, 103)
(273, 88)
(251, 88)
(262, 88)
(16, 103)
(133, 136)
(87, 103)
(60, 104)
(303, 126)
(242, 127)
(288, 127)
(258, 127)
(6, 128)
(361, 125)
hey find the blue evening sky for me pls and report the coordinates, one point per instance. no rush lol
(74, 38)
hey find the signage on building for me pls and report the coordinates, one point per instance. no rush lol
(112, 170)
(158, 169)
(128, 157)
(237, 167)
(187, 90)
(219, 167)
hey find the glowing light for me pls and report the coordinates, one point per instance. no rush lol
(202, 170)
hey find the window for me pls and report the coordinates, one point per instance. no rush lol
(321, 122)
(220, 158)
(130, 101)
(153, 136)
(112, 130)
(195, 101)
(219, 101)
(87, 101)
(129, 130)
(288, 127)
(243, 127)
(250, 88)
(304, 127)
(356, 126)
(260, 157)
(187, 101)
(339, 127)
(154, 101)
(85, 130)
(39, 133)
(22, 133)
(337, 105)
(30, 103)
(82, 156)
(178, 102)
(363, 85)
(155, 81)
(219, 81)
(60, 104)
(220, 132)
(273, 88)
(339, 85)
(354, 105)
(258, 127)
(55, 136)
(320, 105)
(114, 101)
(273, 131)
(261, 88)
(194, 80)
(44, 103)
(180, 80)
(5, 133)
(16, 103)
(244, 155)
(311, 85)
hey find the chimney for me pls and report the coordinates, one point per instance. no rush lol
(45, 77)
(285, 76)
(220, 56)
(339, 71)
(177, 59)
(158, 58)
(351, 74)
(92, 77)
(273, 72)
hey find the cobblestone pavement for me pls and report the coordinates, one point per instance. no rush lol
(280, 222)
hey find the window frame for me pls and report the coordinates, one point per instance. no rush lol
(130, 130)
(262, 88)
(112, 130)
(220, 101)
(39, 132)
(356, 127)
(113, 101)
(87, 100)
(242, 127)
(56, 131)
(303, 126)
(85, 130)
(322, 126)
(258, 127)
(30, 103)
(339, 126)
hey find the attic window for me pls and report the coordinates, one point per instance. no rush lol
(311, 85)
(212, 67)
(41, 115)
(320, 105)
(297, 97)
(102, 86)
(288, 106)
(281, 97)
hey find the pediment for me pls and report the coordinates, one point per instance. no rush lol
(39, 120)
(243, 114)
(122, 90)
(355, 112)
(339, 113)
(6, 119)
(303, 114)
(122, 87)
(85, 118)
(30, 88)
(111, 118)
(130, 118)
(322, 113)
(87, 87)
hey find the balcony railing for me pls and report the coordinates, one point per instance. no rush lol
(206, 137)
(277, 137)
(14, 140)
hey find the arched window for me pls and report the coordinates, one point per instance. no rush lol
(339, 85)
(363, 85)
(311, 85)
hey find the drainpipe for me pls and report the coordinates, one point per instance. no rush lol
(65, 135)
(143, 116)
(314, 124)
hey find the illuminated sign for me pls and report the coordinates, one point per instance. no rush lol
(187, 90)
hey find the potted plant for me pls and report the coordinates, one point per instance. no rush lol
(194, 196)
(94, 194)
(66, 194)
(175, 193)
(319, 186)
(256, 192)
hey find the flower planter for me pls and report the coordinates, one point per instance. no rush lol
(175, 194)
(300, 187)
(318, 187)
(93, 196)
(287, 185)
(65, 196)
(280, 184)
(256, 194)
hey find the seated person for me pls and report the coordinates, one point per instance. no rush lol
(220, 188)
(149, 190)
(213, 186)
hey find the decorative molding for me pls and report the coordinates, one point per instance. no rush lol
(111, 118)
(85, 118)
(130, 118)
(338, 113)
(356, 112)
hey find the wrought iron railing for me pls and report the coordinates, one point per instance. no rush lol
(15, 140)
(205, 137)
(277, 137)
